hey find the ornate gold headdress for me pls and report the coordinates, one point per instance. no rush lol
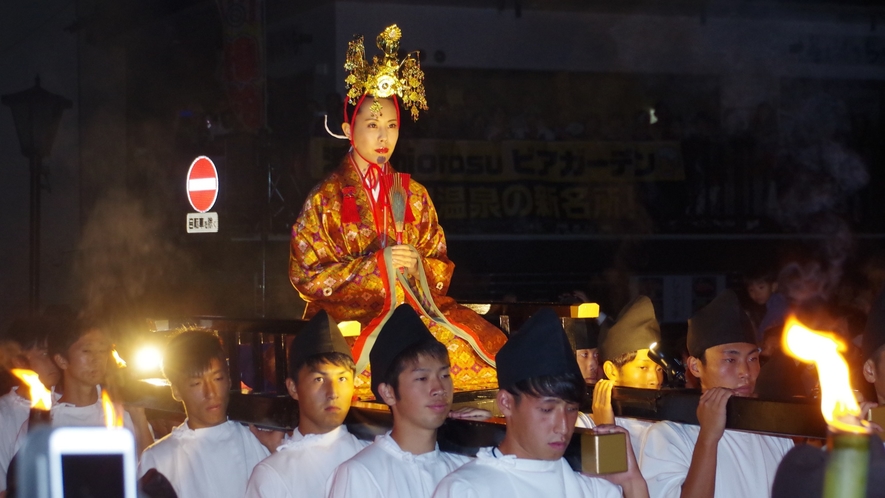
(385, 76)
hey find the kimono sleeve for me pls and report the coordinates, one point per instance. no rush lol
(431, 243)
(454, 487)
(320, 267)
(665, 459)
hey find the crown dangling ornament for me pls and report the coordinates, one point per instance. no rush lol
(386, 76)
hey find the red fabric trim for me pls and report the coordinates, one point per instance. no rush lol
(376, 322)
(349, 211)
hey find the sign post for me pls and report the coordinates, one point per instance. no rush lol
(202, 192)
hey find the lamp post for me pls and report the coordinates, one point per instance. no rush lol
(36, 113)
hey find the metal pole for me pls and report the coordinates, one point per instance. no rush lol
(34, 255)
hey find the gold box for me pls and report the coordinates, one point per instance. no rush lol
(603, 453)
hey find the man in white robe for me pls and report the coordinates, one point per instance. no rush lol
(410, 373)
(623, 351)
(707, 460)
(541, 388)
(208, 455)
(321, 373)
(29, 335)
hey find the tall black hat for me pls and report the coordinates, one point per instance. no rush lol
(583, 333)
(723, 321)
(539, 348)
(636, 328)
(874, 332)
(403, 330)
(321, 335)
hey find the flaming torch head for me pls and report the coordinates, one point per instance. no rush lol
(41, 398)
(838, 404)
(113, 413)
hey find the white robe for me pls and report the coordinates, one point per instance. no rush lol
(69, 415)
(14, 411)
(493, 475)
(383, 470)
(302, 465)
(213, 462)
(637, 429)
(745, 464)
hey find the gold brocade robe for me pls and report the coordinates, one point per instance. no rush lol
(338, 266)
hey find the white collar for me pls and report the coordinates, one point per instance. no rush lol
(492, 456)
(388, 444)
(299, 440)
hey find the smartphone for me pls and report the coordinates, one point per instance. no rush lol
(78, 462)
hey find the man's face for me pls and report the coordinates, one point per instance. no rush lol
(588, 361)
(425, 394)
(734, 366)
(324, 393)
(375, 133)
(874, 373)
(641, 372)
(760, 291)
(87, 359)
(39, 361)
(538, 428)
(205, 396)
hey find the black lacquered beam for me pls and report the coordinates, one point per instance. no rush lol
(798, 418)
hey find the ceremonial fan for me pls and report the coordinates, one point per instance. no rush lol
(398, 206)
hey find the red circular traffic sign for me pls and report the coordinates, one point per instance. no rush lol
(202, 184)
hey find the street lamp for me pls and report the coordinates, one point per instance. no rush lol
(36, 114)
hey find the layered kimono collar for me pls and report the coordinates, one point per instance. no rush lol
(493, 457)
(299, 440)
(387, 443)
(185, 432)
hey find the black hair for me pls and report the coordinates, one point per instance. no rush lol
(567, 387)
(60, 338)
(33, 332)
(313, 361)
(760, 273)
(430, 348)
(190, 353)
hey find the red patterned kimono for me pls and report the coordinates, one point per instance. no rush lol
(338, 263)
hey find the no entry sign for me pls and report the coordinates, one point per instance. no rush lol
(202, 184)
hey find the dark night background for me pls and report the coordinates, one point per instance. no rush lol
(776, 110)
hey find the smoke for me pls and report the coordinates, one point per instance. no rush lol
(125, 261)
(818, 179)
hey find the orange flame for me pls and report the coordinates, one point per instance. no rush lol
(121, 363)
(113, 416)
(41, 398)
(838, 404)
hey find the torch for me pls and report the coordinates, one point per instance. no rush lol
(846, 474)
(41, 398)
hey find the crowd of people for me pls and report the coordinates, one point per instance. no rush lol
(543, 372)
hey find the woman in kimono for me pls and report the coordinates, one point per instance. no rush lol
(368, 237)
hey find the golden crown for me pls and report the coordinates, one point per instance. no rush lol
(386, 76)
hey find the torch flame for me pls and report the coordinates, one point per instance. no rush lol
(41, 398)
(113, 416)
(838, 404)
(121, 363)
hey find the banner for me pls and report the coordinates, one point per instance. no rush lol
(566, 162)
(524, 186)
(243, 70)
